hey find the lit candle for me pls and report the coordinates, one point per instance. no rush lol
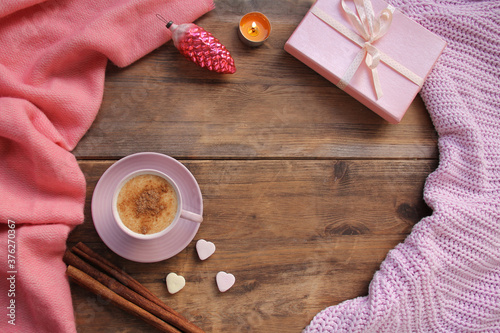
(254, 29)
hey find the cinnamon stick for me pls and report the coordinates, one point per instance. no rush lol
(84, 252)
(130, 295)
(97, 288)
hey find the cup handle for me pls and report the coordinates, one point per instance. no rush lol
(191, 216)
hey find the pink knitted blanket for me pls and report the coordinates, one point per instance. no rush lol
(53, 56)
(445, 277)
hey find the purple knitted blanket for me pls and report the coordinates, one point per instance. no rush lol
(445, 277)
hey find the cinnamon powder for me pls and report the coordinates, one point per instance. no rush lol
(148, 202)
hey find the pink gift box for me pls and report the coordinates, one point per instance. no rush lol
(330, 53)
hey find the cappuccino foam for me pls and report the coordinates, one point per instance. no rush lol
(147, 204)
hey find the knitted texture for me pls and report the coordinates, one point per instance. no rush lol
(53, 56)
(445, 277)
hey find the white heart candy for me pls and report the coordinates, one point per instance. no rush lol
(175, 282)
(205, 249)
(224, 281)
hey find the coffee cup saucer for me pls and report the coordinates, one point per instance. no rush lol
(140, 250)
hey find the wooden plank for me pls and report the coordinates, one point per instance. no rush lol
(272, 107)
(305, 190)
(299, 235)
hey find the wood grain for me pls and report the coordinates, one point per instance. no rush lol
(299, 235)
(305, 190)
(274, 106)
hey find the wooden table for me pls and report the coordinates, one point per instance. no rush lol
(305, 190)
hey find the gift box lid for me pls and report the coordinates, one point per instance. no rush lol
(330, 53)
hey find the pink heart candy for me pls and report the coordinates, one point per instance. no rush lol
(224, 281)
(205, 249)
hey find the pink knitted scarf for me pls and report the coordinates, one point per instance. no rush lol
(445, 277)
(53, 56)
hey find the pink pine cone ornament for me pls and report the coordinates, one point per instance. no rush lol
(201, 47)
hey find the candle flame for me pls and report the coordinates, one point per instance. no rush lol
(253, 31)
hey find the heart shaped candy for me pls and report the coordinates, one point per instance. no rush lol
(205, 249)
(224, 281)
(175, 282)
